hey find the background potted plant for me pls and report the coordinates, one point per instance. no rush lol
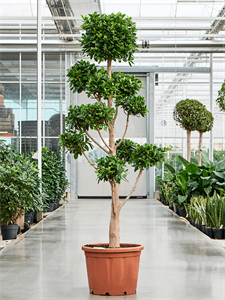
(109, 38)
(19, 190)
(54, 180)
(192, 115)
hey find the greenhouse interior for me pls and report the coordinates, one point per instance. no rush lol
(112, 149)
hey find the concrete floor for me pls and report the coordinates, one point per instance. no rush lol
(178, 261)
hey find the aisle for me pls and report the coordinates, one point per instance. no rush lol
(178, 261)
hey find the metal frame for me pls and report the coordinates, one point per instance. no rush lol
(39, 86)
(150, 130)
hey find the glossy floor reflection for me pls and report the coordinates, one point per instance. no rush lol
(178, 261)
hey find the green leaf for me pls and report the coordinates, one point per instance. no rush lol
(182, 199)
(208, 190)
(170, 168)
(219, 174)
(183, 160)
(192, 168)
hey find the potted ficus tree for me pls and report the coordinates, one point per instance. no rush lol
(109, 38)
(19, 189)
(54, 180)
(192, 115)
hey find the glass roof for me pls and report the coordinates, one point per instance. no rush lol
(163, 8)
(133, 8)
(22, 8)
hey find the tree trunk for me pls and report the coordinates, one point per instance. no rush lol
(200, 147)
(111, 125)
(114, 227)
(189, 145)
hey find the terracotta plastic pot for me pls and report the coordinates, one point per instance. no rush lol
(113, 271)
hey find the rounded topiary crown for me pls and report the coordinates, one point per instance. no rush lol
(187, 114)
(109, 37)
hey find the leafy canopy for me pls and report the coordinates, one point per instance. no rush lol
(140, 156)
(111, 168)
(206, 121)
(91, 116)
(79, 75)
(109, 37)
(19, 188)
(54, 179)
(221, 97)
(187, 114)
(77, 142)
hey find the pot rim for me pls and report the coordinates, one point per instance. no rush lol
(131, 248)
(6, 225)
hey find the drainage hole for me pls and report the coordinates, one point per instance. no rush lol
(106, 294)
(125, 293)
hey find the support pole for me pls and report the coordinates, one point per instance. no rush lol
(151, 130)
(74, 164)
(39, 84)
(67, 103)
(60, 103)
(20, 91)
(211, 104)
(43, 126)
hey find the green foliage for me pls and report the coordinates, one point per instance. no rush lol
(80, 119)
(166, 192)
(79, 75)
(126, 96)
(196, 210)
(215, 211)
(127, 85)
(188, 114)
(53, 176)
(209, 211)
(91, 116)
(206, 121)
(100, 85)
(134, 105)
(194, 181)
(111, 168)
(174, 161)
(77, 142)
(126, 149)
(19, 188)
(6, 152)
(109, 37)
(140, 156)
(220, 100)
(145, 156)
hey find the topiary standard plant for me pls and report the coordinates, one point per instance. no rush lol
(205, 124)
(192, 115)
(108, 38)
